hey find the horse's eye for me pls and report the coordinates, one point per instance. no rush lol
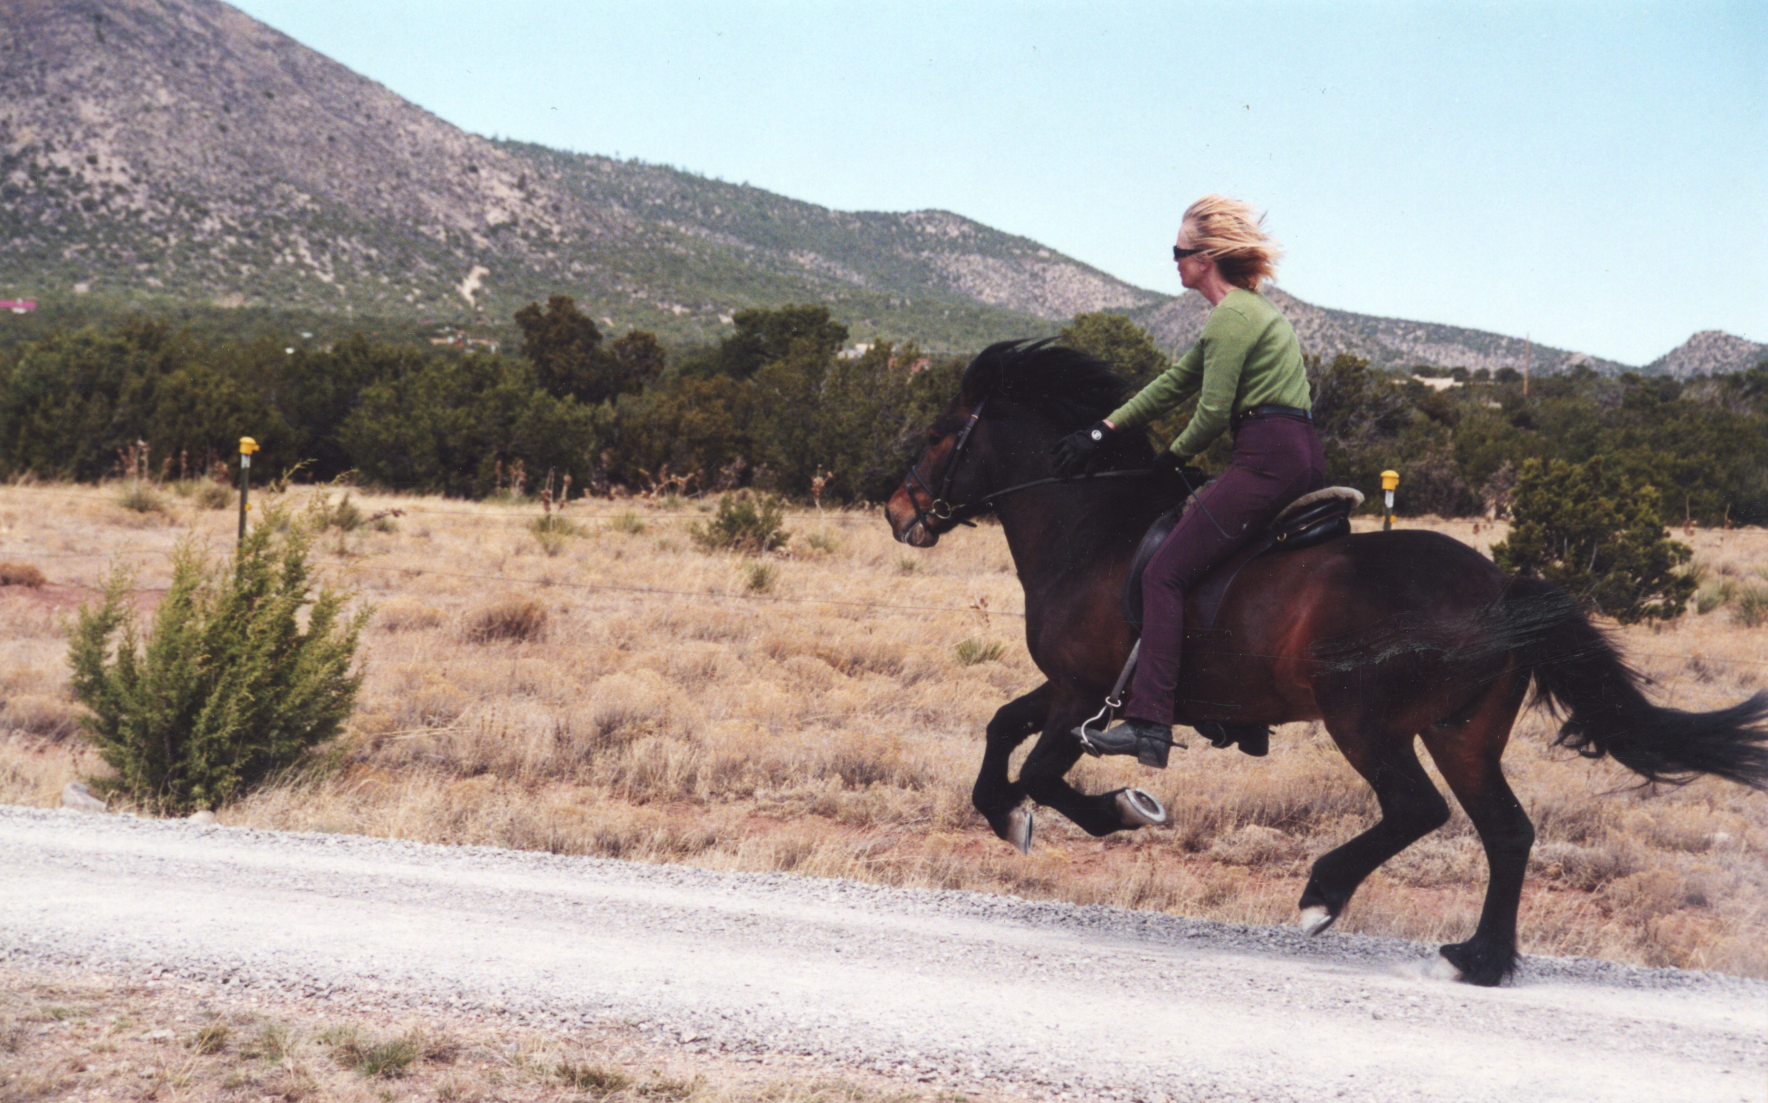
(932, 437)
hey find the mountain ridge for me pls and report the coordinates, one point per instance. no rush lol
(181, 149)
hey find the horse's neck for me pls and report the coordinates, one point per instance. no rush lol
(1064, 532)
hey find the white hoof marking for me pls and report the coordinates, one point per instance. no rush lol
(1019, 828)
(1140, 809)
(1315, 920)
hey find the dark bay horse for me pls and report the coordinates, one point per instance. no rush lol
(1386, 637)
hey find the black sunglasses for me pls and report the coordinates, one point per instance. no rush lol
(1181, 254)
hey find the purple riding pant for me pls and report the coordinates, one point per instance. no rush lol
(1276, 460)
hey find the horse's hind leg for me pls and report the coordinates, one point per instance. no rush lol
(1469, 758)
(994, 794)
(1410, 809)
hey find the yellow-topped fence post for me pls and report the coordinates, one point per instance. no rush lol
(246, 447)
(1390, 482)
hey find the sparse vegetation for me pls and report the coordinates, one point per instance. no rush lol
(210, 1038)
(658, 714)
(976, 650)
(107, 1041)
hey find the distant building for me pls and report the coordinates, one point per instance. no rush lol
(454, 338)
(18, 306)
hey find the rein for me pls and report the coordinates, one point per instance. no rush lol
(939, 509)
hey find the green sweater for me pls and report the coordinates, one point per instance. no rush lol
(1247, 356)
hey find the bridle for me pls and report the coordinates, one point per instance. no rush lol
(940, 509)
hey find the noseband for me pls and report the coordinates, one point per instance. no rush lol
(943, 511)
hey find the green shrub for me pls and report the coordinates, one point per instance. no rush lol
(211, 1038)
(343, 514)
(627, 521)
(1752, 606)
(230, 689)
(744, 524)
(594, 1079)
(204, 493)
(384, 1060)
(1713, 595)
(141, 496)
(1600, 536)
(760, 577)
(552, 531)
(976, 650)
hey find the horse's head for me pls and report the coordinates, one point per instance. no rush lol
(1016, 398)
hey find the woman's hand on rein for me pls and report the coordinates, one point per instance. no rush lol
(1080, 448)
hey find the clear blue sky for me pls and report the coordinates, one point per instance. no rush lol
(1593, 175)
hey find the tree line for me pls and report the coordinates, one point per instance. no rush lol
(782, 404)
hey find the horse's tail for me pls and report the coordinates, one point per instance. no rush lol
(1579, 675)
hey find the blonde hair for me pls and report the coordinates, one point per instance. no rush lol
(1231, 233)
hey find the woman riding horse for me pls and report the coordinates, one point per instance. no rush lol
(1247, 367)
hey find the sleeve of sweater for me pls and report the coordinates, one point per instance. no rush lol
(1213, 365)
(1167, 390)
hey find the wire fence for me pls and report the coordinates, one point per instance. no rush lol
(506, 512)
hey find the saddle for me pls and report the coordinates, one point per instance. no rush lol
(1311, 519)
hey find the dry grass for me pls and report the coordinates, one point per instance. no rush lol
(627, 695)
(81, 1036)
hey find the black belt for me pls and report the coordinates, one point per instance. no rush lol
(1271, 411)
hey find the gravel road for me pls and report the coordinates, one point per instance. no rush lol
(972, 991)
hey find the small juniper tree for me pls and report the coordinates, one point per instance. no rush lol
(230, 688)
(744, 525)
(1600, 536)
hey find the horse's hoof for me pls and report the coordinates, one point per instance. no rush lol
(1316, 919)
(1139, 809)
(1478, 965)
(1019, 828)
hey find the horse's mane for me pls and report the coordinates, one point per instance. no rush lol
(1067, 386)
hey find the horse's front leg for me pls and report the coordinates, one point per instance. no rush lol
(995, 795)
(1044, 779)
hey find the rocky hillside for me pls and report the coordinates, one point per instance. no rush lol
(180, 148)
(1710, 352)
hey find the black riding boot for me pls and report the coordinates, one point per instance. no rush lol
(1148, 741)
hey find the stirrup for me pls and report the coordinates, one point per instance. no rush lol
(1150, 748)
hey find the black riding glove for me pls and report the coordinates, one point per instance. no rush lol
(1081, 448)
